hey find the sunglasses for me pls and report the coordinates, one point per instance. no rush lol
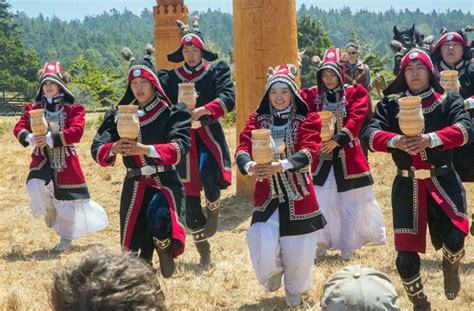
(351, 53)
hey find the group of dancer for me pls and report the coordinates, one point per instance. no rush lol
(313, 197)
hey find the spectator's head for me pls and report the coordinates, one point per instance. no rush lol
(359, 288)
(105, 280)
(352, 51)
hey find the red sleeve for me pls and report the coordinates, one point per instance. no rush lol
(169, 153)
(309, 139)
(358, 104)
(103, 155)
(22, 127)
(217, 108)
(378, 140)
(453, 136)
(74, 129)
(309, 96)
(245, 137)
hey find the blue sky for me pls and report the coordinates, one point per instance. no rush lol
(69, 9)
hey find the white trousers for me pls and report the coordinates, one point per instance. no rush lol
(291, 256)
(74, 218)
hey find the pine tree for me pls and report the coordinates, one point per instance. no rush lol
(18, 67)
(314, 41)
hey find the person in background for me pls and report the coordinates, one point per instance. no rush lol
(207, 166)
(152, 192)
(427, 190)
(56, 183)
(341, 177)
(286, 216)
(106, 280)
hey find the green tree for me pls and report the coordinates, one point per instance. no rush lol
(314, 41)
(95, 87)
(18, 67)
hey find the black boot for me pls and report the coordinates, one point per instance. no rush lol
(203, 247)
(165, 254)
(452, 282)
(414, 289)
(213, 209)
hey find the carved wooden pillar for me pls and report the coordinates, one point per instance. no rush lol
(167, 34)
(265, 36)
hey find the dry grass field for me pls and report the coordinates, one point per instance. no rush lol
(27, 263)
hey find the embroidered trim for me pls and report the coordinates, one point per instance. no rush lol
(451, 256)
(348, 132)
(308, 154)
(129, 212)
(434, 105)
(218, 148)
(423, 95)
(222, 104)
(40, 166)
(178, 151)
(293, 215)
(63, 140)
(447, 198)
(371, 140)
(413, 230)
(465, 134)
(187, 178)
(72, 186)
(342, 155)
(195, 79)
(154, 117)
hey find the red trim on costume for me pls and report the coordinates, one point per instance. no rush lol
(143, 74)
(194, 39)
(190, 77)
(178, 233)
(215, 108)
(137, 199)
(453, 136)
(169, 153)
(103, 155)
(379, 140)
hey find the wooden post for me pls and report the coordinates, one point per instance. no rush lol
(265, 35)
(167, 34)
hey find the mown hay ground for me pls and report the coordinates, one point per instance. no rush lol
(27, 263)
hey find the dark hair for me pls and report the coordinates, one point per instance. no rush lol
(105, 280)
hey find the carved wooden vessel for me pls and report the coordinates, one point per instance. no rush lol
(262, 146)
(411, 119)
(327, 121)
(128, 125)
(449, 80)
(38, 123)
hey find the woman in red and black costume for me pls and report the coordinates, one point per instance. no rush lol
(207, 166)
(152, 192)
(342, 178)
(427, 190)
(56, 183)
(452, 52)
(286, 215)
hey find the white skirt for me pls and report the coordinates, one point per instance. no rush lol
(290, 256)
(353, 217)
(74, 218)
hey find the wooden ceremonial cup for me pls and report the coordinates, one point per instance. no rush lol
(187, 94)
(128, 125)
(38, 123)
(449, 80)
(262, 146)
(411, 119)
(327, 122)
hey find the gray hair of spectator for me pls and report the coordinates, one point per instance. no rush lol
(352, 45)
(105, 280)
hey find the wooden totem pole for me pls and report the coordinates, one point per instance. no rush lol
(265, 36)
(167, 34)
